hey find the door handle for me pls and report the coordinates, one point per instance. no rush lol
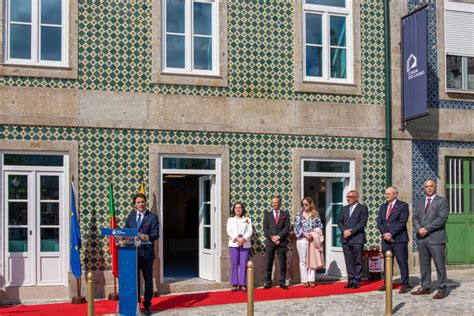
(31, 233)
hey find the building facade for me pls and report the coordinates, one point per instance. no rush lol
(210, 102)
(440, 146)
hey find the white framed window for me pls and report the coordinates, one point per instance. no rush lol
(36, 32)
(327, 41)
(459, 42)
(190, 36)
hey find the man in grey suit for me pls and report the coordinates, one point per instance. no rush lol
(429, 219)
(352, 226)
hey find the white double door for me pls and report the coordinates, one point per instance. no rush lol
(207, 218)
(34, 217)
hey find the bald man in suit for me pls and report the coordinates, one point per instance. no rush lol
(429, 220)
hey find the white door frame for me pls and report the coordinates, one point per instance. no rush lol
(33, 173)
(216, 232)
(349, 186)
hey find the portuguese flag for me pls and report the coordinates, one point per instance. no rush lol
(113, 224)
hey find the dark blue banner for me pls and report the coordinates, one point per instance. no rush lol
(415, 64)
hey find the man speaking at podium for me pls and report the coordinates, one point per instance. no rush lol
(148, 228)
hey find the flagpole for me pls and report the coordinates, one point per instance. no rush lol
(114, 296)
(78, 299)
(75, 246)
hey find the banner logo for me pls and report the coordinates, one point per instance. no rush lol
(412, 68)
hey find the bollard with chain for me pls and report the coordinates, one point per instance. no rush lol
(388, 282)
(250, 287)
(90, 294)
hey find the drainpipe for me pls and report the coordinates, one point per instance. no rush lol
(388, 95)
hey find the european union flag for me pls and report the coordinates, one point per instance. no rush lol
(75, 244)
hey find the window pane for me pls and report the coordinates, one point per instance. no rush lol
(471, 169)
(49, 187)
(49, 213)
(20, 11)
(206, 214)
(338, 31)
(174, 51)
(454, 72)
(189, 163)
(51, 12)
(314, 61)
(338, 63)
(202, 18)
(470, 73)
(50, 43)
(337, 197)
(18, 239)
(336, 237)
(49, 239)
(17, 187)
(17, 213)
(471, 207)
(207, 238)
(20, 41)
(203, 53)
(33, 160)
(314, 29)
(333, 3)
(175, 16)
(207, 190)
(326, 166)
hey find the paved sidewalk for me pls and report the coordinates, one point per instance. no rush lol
(459, 302)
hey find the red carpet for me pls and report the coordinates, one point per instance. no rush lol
(194, 300)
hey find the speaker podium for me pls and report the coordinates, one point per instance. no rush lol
(127, 242)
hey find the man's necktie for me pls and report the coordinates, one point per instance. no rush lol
(276, 217)
(428, 204)
(351, 210)
(390, 207)
(139, 220)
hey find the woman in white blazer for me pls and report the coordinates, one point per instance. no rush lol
(239, 230)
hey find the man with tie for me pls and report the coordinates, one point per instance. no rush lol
(352, 226)
(276, 225)
(148, 231)
(429, 219)
(392, 224)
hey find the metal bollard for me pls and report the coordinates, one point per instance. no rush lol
(90, 294)
(388, 282)
(250, 288)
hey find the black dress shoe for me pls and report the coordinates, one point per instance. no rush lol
(147, 311)
(382, 288)
(283, 286)
(348, 285)
(267, 285)
(356, 285)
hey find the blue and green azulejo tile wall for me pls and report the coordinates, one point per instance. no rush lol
(115, 52)
(260, 165)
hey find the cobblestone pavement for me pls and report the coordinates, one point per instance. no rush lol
(459, 302)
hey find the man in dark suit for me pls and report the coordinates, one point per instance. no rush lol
(352, 226)
(276, 225)
(392, 225)
(429, 219)
(148, 231)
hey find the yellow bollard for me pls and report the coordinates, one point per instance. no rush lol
(90, 294)
(388, 282)
(250, 287)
